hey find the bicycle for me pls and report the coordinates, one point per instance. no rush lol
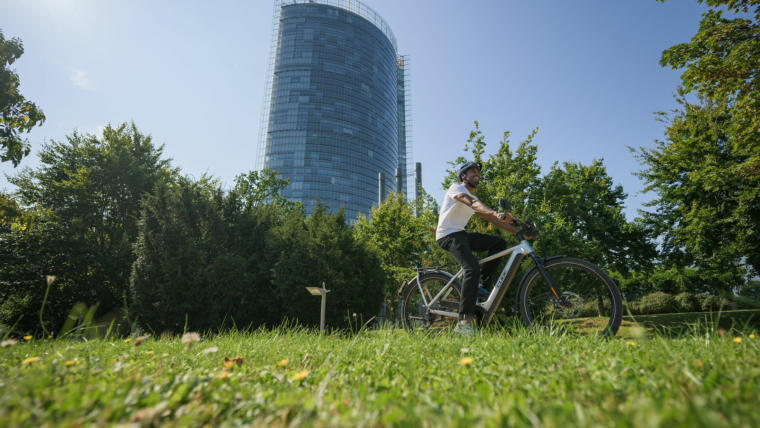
(557, 287)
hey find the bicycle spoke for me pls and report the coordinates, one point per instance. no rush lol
(585, 295)
(418, 315)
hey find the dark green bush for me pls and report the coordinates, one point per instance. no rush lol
(633, 307)
(658, 303)
(749, 295)
(712, 303)
(206, 257)
(687, 302)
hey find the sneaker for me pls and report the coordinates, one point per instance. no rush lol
(483, 294)
(465, 329)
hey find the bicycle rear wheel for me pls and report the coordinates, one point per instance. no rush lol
(414, 310)
(595, 303)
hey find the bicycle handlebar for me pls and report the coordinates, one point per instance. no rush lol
(528, 227)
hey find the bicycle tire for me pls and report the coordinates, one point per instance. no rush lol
(414, 316)
(578, 280)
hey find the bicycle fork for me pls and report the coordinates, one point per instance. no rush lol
(560, 298)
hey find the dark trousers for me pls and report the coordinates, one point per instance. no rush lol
(461, 245)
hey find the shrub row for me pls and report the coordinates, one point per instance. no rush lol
(664, 303)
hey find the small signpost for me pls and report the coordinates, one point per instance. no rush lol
(316, 291)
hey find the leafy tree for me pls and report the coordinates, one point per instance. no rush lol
(581, 211)
(723, 61)
(398, 236)
(705, 218)
(86, 199)
(322, 248)
(202, 254)
(206, 256)
(11, 214)
(18, 114)
(721, 64)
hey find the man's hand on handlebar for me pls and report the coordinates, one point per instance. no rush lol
(506, 217)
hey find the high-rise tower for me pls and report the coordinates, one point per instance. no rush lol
(336, 108)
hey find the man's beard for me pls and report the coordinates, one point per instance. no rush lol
(467, 183)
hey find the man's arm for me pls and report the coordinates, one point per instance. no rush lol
(487, 213)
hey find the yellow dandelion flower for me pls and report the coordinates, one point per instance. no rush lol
(228, 364)
(30, 360)
(700, 364)
(27, 337)
(149, 352)
(738, 339)
(300, 375)
(127, 340)
(283, 362)
(70, 363)
(751, 336)
(466, 360)
(631, 343)
(224, 374)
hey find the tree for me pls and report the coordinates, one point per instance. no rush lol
(704, 216)
(398, 236)
(206, 257)
(203, 256)
(723, 59)
(18, 114)
(86, 198)
(581, 213)
(322, 248)
(722, 63)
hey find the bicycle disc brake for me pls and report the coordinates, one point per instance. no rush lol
(573, 308)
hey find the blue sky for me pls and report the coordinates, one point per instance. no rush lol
(192, 74)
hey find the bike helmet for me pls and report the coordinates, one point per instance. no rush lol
(468, 165)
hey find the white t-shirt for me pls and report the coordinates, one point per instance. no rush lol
(454, 214)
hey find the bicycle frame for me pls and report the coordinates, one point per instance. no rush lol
(517, 252)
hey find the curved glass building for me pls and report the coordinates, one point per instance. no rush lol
(335, 112)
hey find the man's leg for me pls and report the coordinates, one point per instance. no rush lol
(458, 244)
(492, 244)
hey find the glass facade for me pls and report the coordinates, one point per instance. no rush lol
(334, 107)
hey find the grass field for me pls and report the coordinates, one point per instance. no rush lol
(290, 376)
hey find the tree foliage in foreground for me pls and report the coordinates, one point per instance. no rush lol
(84, 200)
(16, 113)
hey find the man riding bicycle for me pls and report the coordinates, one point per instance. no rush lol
(458, 206)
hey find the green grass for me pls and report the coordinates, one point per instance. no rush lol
(386, 377)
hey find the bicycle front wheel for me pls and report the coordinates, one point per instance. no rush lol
(416, 313)
(594, 301)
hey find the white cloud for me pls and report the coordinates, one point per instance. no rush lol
(79, 77)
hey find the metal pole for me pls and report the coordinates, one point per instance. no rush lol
(322, 321)
(417, 185)
(380, 188)
(399, 178)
